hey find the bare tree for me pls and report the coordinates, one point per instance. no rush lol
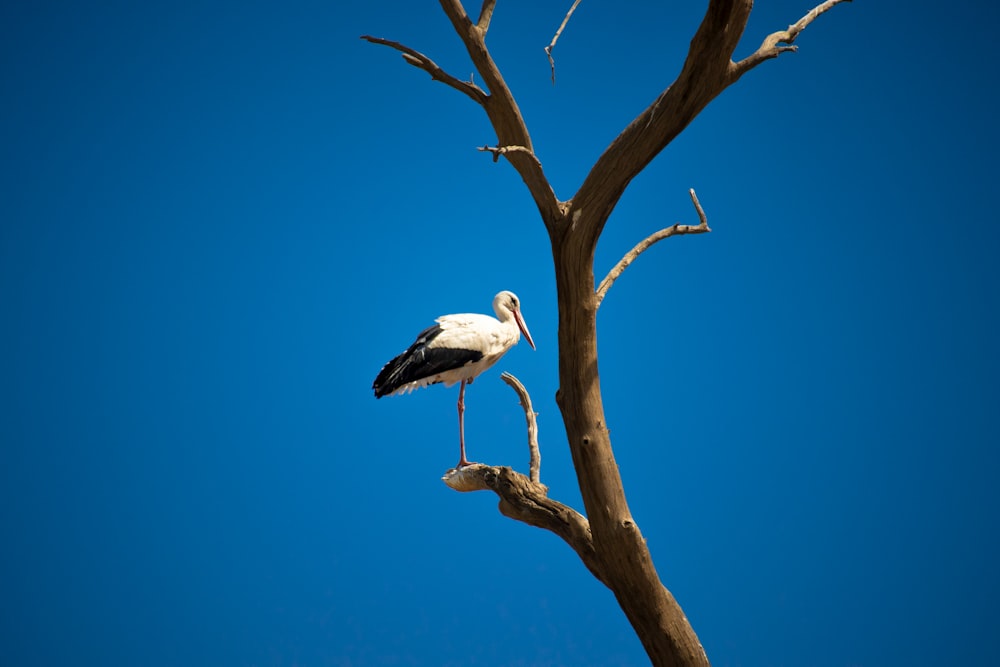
(607, 540)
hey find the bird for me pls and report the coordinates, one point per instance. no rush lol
(458, 348)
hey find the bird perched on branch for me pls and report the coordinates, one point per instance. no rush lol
(456, 349)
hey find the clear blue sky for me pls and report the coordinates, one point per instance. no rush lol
(218, 221)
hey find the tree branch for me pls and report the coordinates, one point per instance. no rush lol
(526, 501)
(485, 14)
(555, 38)
(778, 42)
(707, 71)
(526, 498)
(503, 150)
(704, 75)
(504, 113)
(499, 103)
(421, 61)
(534, 456)
(673, 230)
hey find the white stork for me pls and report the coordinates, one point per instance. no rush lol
(456, 349)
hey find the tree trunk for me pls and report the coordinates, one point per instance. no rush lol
(625, 562)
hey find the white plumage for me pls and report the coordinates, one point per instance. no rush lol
(456, 349)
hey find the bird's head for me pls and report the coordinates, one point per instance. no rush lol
(507, 306)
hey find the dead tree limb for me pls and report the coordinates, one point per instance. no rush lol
(497, 151)
(528, 502)
(534, 455)
(781, 41)
(555, 38)
(673, 230)
(421, 61)
(485, 14)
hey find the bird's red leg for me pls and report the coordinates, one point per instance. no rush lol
(462, 461)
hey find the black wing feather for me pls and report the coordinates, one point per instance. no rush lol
(421, 361)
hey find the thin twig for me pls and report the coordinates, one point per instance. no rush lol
(503, 150)
(781, 41)
(534, 456)
(421, 61)
(555, 38)
(631, 255)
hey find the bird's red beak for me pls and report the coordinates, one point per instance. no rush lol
(524, 328)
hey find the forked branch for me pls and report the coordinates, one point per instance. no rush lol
(781, 41)
(526, 501)
(525, 498)
(673, 230)
(708, 70)
(503, 112)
